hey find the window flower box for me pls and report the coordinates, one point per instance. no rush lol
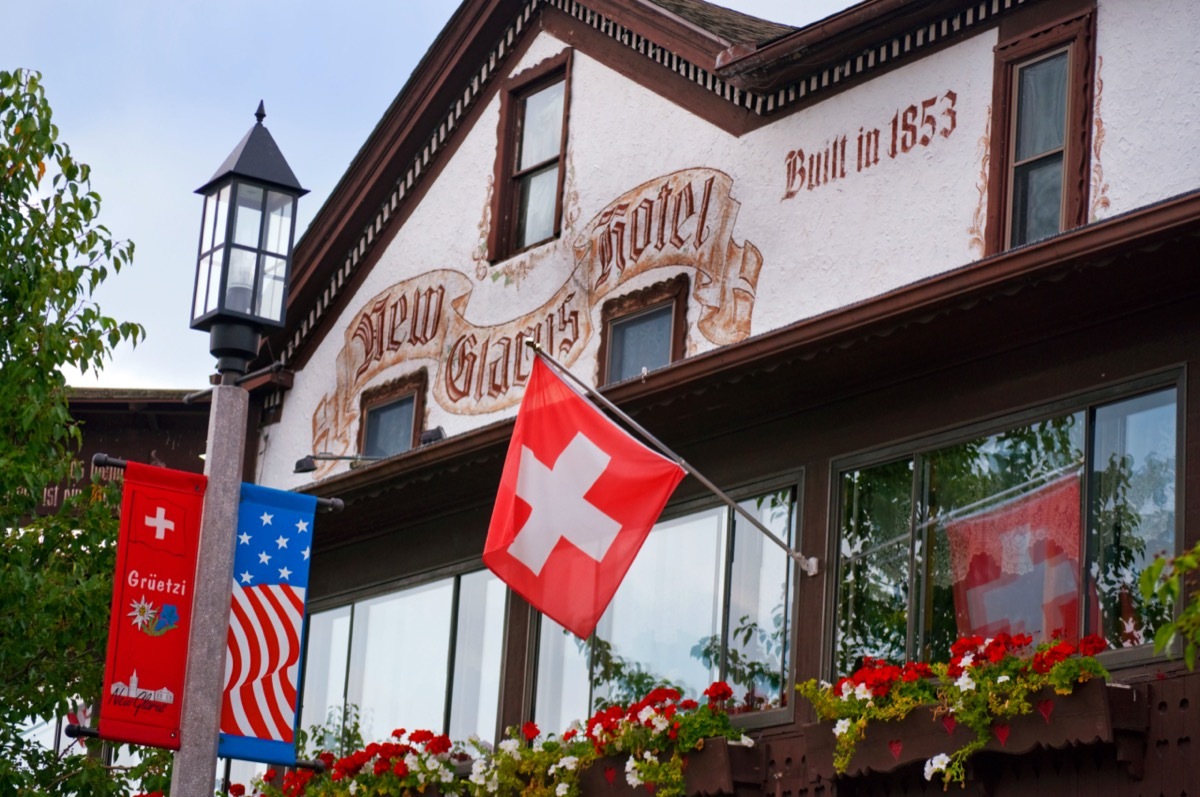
(1093, 712)
(719, 767)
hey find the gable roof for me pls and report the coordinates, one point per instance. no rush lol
(732, 69)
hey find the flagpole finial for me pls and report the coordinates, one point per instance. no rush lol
(533, 344)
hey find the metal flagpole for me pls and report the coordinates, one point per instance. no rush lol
(807, 563)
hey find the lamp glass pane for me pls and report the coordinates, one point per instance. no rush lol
(213, 294)
(239, 288)
(221, 217)
(248, 222)
(279, 223)
(270, 287)
(202, 271)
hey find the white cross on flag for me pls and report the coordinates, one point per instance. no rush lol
(577, 498)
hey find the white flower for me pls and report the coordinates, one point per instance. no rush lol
(493, 786)
(568, 763)
(842, 726)
(967, 660)
(353, 787)
(143, 612)
(847, 690)
(862, 692)
(510, 746)
(645, 714)
(936, 764)
(660, 723)
(965, 683)
(1003, 679)
(631, 774)
(745, 741)
(561, 790)
(478, 772)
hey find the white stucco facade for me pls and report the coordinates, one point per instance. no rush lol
(882, 213)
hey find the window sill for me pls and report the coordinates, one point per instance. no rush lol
(1094, 712)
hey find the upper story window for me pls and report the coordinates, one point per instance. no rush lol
(1043, 106)
(426, 657)
(1040, 527)
(390, 416)
(643, 330)
(729, 619)
(530, 157)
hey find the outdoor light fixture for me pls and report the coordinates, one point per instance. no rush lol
(307, 464)
(434, 435)
(245, 254)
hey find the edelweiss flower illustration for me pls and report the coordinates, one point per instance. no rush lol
(143, 612)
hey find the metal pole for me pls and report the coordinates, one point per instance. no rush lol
(807, 564)
(195, 769)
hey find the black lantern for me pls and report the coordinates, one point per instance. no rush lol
(245, 248)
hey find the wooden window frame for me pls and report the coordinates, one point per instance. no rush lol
(1026, 38)
(673, 291)
(503, 232)
(414, 385)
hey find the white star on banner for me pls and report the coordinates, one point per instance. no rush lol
(244, 538)
(282, 541)
(284, 573)
(304, 553)
(246, 577)
(264, 557)
(266, 519)
(301, 526)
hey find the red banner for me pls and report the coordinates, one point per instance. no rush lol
(151, 606)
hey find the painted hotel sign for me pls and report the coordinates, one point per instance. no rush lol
(152, 606)
(682, 220)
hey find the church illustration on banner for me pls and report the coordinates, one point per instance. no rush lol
(163, 695)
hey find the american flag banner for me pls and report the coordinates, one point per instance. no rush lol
(262, 665)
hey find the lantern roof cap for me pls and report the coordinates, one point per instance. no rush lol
(257, 157)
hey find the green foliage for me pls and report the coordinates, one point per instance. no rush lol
(55, 571)
(55, 256)
(1164, 582)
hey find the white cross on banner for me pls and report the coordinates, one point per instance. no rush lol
(577, 498)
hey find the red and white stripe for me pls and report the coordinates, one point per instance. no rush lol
(262, 663)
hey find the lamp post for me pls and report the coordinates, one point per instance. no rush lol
(241, 285)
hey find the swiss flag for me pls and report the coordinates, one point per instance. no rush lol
(577, 498)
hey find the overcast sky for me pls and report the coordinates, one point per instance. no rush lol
(154, 95)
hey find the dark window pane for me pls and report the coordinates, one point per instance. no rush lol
(876, 516)
(1041, 106)
(538, 193)
(640, 341)
(1132, 511)
(389, 428)
(1037, 199)
(541, 126)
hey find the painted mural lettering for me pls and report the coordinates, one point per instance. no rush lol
(683, 220)
(920, 124)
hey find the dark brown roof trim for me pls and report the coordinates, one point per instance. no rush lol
(1088, 246)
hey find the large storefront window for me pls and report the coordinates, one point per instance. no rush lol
(1041, 528)
(423, 657)
(707, 598)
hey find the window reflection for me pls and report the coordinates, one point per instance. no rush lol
(387, 660)
(987, 535)
(669, 624)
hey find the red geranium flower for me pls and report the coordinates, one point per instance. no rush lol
(530, 731)
(400, 769)
(438, 745)
(719, 691)
(1092, 644)
(236, 790)
(420, 737)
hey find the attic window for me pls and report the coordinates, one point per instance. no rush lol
(530, 157)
